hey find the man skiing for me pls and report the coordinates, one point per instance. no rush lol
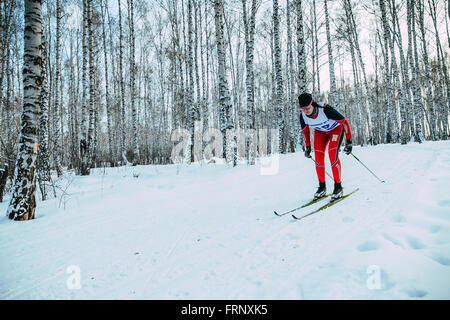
(329, 128)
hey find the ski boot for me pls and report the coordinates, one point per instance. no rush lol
(321, 191)
(338, 191)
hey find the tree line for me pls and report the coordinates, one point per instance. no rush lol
(105, 83)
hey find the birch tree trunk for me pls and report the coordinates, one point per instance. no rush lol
(5, 36)
(92, 87)
(191, 101)
(196, 68)
(407, 117)
(72, 108)
(132, 84)
(376, 117)
(204, 68)
(315, 40)
(398, 87)
(107, 94)
(333, 91)
(57, 103)
(23, 202)
(84, 152)
(43, 152)
(300, 49)
(122, 91)
(429, 95)
(413, 66)
(292, 105)
(278, 76)
(312, 49)
(443, 85)
(224, 93)
(249, 32)
(2, 60)
(387, 74)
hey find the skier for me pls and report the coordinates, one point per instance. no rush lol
(329, 126)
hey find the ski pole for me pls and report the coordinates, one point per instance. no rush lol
(367, 168)
(325, 170)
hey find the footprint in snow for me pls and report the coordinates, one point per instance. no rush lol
(432, 228)
(415, 243)
(368, 246)
(445, 203)
(416, 293)
(441, 259)
(398, 218)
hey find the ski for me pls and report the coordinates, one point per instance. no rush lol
(303, 206)
(329, 204)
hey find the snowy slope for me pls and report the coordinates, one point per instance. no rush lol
(209, 232)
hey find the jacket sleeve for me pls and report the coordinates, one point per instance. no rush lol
(305, 131)
(333, 114)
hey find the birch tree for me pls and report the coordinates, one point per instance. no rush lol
(278, 76)
(190, 63)
(443, 85)
(43, 150)
(387, 74)
(23, 203)
(122, 90)
(84, 151)
(249, 33)
(292, 113)
(300, 48)
(132, 83)
(333, 89)
(107, 92)
(413, 66)
(57, 102)
(224, 93)
(429, 96)
(92, 87)
(401, 95)
(407, 118)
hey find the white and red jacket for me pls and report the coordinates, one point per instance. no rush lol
(324, 118)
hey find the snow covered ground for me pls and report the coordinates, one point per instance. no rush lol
(209, 232)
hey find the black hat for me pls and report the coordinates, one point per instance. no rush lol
(304, 99)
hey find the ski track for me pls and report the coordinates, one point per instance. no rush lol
(209, 232)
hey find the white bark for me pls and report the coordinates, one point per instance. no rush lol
(122, 91)
(413, 65)
(249, 32)
(57, 103)
(429, 95)
(333, 91)
(23, 203)
(43, 152)
(224, 93)
(387, 73)
(107, 93)
(190, 61)
(132, 84)
(300, 49)
(278, 76)
(292, 105)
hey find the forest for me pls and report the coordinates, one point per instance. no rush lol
(104, 83)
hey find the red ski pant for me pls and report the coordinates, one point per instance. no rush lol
(321, 140)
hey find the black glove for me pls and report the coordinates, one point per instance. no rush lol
(348, 146)
(308, 152)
